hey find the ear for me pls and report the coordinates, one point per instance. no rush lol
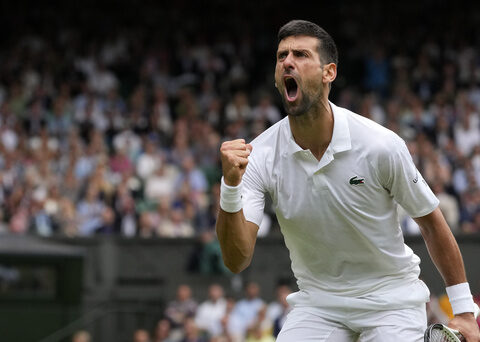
(276, 86)
(329, 73)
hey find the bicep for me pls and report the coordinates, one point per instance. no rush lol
(432, 223)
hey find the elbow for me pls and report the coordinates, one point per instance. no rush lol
(235, 267)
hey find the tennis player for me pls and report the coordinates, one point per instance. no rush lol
(336, 179)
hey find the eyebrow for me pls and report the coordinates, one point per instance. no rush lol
(307, 51)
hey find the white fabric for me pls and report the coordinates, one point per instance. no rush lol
(147, 164)
(161, 184)
(460, 298)
(466, 138)
(209, 316)
(345, 242)
(317, 325)
(230, 197)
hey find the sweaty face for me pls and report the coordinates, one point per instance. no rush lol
(298, 73)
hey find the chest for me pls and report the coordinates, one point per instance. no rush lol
(347, 184)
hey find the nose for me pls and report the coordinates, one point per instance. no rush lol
(288, 62)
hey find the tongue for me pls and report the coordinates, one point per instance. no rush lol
(292, 92)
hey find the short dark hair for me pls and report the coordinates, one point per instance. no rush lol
(326, 47)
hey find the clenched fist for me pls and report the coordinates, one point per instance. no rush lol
(234, 155)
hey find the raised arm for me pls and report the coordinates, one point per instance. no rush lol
(446, 256)
(236, 235)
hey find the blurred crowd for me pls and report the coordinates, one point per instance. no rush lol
(220, 318)
(118, 131)
(115, 135)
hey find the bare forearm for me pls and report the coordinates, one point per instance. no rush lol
(443, 248)
(237, 239)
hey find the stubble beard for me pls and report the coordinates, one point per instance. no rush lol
(299, 109)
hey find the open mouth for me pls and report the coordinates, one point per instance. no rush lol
(291, 88)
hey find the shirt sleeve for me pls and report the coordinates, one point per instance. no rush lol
(405, 183)
(253, 194)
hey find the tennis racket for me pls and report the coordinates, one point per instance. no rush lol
(441, 333)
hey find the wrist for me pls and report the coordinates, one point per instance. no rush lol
(460, 298)
(231, 197)
(231, 183)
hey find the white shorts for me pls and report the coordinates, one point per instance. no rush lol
(310, 324)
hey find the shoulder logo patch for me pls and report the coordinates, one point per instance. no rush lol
(357, 181)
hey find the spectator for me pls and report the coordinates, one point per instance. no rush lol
(225, 335)
(162, 331)
(182, 307)
(120, 162)
(81, 336)
(210, 313)
(59, 121)
(90, 212)
(128, 142)
(261, 328)
(191, 333)
(176, 225)
(238, 109)
(101, 81)
(146, 227)
(161, 119)
(149, 161)
(377, 66)
(467, 130)
(278, 310)
(161, 183)
(141, 335)
(124, 206)
(265, 110)
(245, 311)
(193, 181)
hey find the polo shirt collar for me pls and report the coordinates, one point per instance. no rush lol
(341, 140)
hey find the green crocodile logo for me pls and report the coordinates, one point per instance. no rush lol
(355, 181)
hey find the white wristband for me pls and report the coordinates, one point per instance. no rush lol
(460, 298)
(230, 197)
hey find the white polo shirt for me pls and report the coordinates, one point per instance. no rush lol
(339, 215)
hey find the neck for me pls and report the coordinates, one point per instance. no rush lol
(313, 130)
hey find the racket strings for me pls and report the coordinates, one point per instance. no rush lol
(440, 335)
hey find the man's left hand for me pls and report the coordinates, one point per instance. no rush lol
(467, 325)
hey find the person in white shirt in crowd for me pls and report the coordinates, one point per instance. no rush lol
(210, 313)
(467, 130)
(148, 161)
(238, 108)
